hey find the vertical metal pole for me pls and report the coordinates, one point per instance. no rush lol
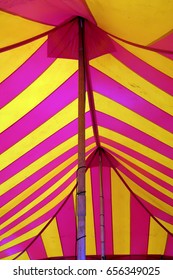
(81, 200)
(102, 225)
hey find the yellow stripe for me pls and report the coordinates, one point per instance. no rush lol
(139, 191)
(37, 185)
(23, 237)
(142, 165)
(17, 57)
(11, 24)
(116, 70)
(168, 226)
(51, 240)
(54, 124)
(147, 180)
(159, 62)
(157, 238)
(136, 146)
(37, 91)
(124, 114)
(42, 161)
(36, 201)
(90, 233)
(24, 256)
(120, 215)
(138, 21)
(53, 203)
(51, 126)
(11, 257)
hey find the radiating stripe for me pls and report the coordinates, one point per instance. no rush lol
(147, 183)
(37, 251)
(43, 148)
(10, 257)
(129, 117)
(52, 189)
(22, 238)
(62, 118)
(139, 228)
(40, 114)
(41, 162)
(141, 192)
(49, 203)
(39, 189)
(134, 134)
(167, 225)
(107, 194)
(38, 62)
(10, 32)
(43, 86)
(124, 151)
(95, 179)
(115, 91)
(136, 146)
(25, 74)
(165, 43)
(159, 214)
(157, 239)
(121, 215)
(144, 169)
(15, 249)
(156, 60)
(133, 82)
(90, 233)
(149, 73)
(25, 188)
(169, 246)
(24, 256)
(67, 228)
(28, 190)
(17, 58)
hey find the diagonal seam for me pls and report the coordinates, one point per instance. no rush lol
(107, 155)
(92, 105)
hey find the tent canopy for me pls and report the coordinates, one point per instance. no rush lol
(128, 127)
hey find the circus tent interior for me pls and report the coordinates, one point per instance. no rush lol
(92, 75)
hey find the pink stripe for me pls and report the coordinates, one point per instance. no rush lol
(24, 75)
(143, 69)
(165, 43)
(134, 134)
(169, 246)
(96, 205)
(139, 222)
(15, 249)
(36, 208)
(37, 193)
(66, 222)
(165, 170)
(157, 212)
(115, 91)
(107, 209)
(41, 149)
(144, 185)
(40, 114)
(51, 12)
(37, 251)
(34, 178)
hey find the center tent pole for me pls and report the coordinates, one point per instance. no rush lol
(81, 197)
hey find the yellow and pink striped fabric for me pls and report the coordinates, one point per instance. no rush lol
(129, 127)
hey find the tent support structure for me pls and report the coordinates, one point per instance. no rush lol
(81, 197)
(102, 232)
